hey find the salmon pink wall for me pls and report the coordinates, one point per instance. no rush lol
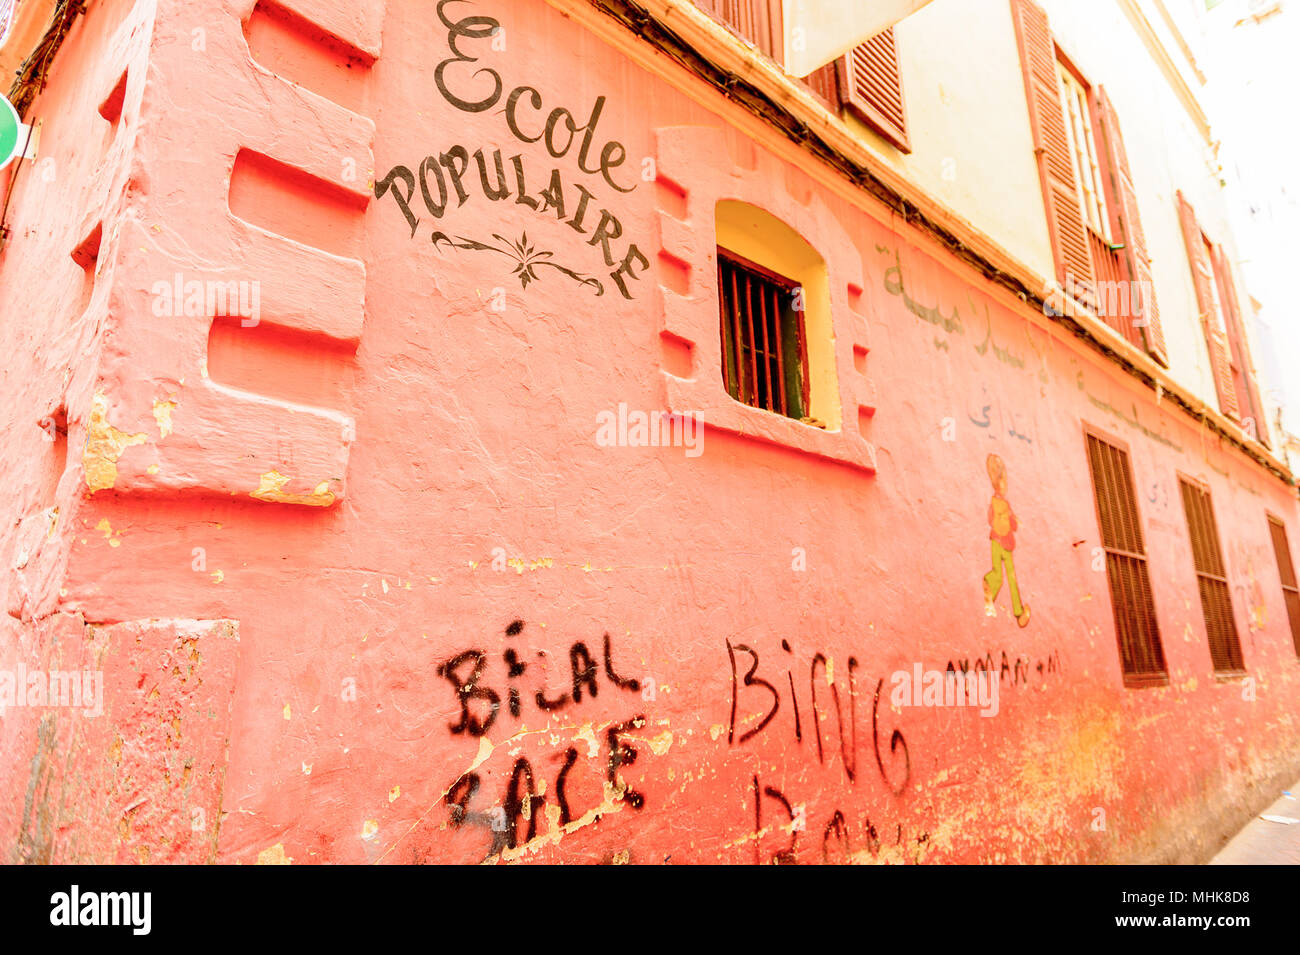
(436, 616)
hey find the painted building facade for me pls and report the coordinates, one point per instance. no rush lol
(545, 431)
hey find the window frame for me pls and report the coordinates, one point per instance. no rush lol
(1132, 679)
(788, 315)
(1292, 608)
(1098, 211)
(1233, 648)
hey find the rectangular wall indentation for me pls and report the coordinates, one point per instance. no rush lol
(292, 203)
(302, 53)
(280, 363)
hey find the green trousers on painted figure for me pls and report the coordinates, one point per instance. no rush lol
(993, 579)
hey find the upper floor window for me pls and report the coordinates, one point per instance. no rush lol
(1235, 382)
(1083, 148)
(865, 82)
(1098, 246)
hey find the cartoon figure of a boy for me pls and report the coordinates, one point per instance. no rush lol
(1002, 541)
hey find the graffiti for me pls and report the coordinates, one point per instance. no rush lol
(846, 714)
(779, 825)
(1015, 430)
(527, 258)
(895, 284)
(1004, 355)
(512, 819)
(449, 173)
(1002, 543)
(931, 314)
(1012, 671)
(480, 705)
(1130, 420)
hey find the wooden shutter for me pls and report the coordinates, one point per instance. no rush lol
(1052, 151)
(1126, 225)
(1247, 386)
(1142, 656)
(758, 21)
(871, 87)
(1286, 571)
(1211, 323)
(1211, 579)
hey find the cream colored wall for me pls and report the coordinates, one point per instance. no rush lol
(971, 142)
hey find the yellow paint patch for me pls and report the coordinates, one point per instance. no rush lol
(107, 529)
(152, 469)
(521, 565)
(218, 576)
(661, 743)
(369, 830)
(274, 856)
(104, 446)
(288, 714)
(272, 489)
(394, 793)
(162, 414)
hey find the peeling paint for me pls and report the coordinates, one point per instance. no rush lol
(105, 444)
(272, 485)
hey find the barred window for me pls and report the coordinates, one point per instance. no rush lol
(765, 359)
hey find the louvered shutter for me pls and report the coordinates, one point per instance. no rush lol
(871, 87)
(1126, 224)
(1286, 571)
(1212, 579)
(1248, 395)
(1052, 150)
(1137, 630)
(758, 21)
(1215, 339)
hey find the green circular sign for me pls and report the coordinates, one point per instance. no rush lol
(8, 132)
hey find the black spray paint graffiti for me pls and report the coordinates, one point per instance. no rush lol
(513, 820)
(1013, 672)
(472, 88)
(834, 841)
(847, 727)
(480, 705)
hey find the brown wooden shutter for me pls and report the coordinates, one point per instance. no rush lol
(1247, 387)
(1215, 339)
(758, 21)
(1126, 225)
(1286, 571)
(1212, 579)
(871, 87)
(1137, 631)
(825, 83)
(1052, 151)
